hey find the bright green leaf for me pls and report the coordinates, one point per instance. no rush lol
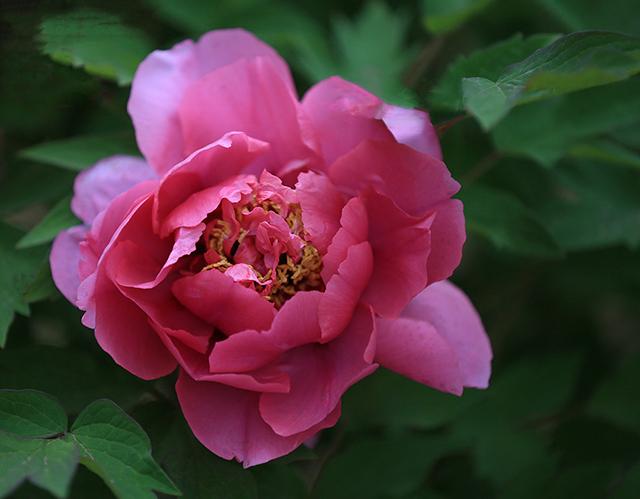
(78, 153)
(117, 448)
(506, 222)
(574, 62)
(487, 63)
(50, 464)
(441, 16)
(96, 41)
(485, 99)
(29, 413)
(59, 218)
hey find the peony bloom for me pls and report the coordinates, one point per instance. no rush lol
(275, 250)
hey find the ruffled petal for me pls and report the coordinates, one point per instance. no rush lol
(416, 182)
(321, 205)
(65, 259)
(412, 127)
(227, 421)
(163, 78)
(214, 164)
(320, 374)
(453, 315)
(447, 239)
(97, 186)
(248, 95)
(223, 303)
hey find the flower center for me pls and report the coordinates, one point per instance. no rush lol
(261, 243)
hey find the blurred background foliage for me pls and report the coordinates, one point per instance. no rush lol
(547, 148)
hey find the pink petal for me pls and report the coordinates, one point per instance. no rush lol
(447, 239)
(97, 186)
(226, 420)
(343, 115)
(223, 303)
(248, 95)
(454, 317)
(123, 331)
(401, 247)
(321, 205)
(414, 181)
(412, 127)
(214, 164)
(320, 374)
(295, 324)
(64, 261)
(164, 77)
(414, 349)
(344, 289)
(353, 230)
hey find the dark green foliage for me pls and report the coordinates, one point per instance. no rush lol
(539, 107)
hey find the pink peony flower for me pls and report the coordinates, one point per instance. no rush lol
(275, 250)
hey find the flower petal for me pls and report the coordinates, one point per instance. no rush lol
(65, 260)
(447, 239)
(320, 374)
(164, 77)
(226, 420)
(416, 182)
(223, 303)
(412, 127)
(97, 186)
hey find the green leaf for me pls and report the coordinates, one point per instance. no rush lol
(593, 206)
(117, 448)
(59, 218)
(487, 63)
(370, 51)
(50, 464)
(381, 467)
(96, 41)
(441, 16)
(574, 62)
(18, 270)
(506, 222)
(29, 413)
(78, 153)
(546, 131)
(613, 15)
(606, 151)
(93, 375)
(616, 399)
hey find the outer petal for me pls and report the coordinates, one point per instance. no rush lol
(344, 114)
(97, 186)
(320, 374)
(223, 303)
(416, 182)
(163, 78)
(412, 127)
(248, 95)
(439, 340)
(65, 259)
(123, 331)
(226, 420)
(449, 310)
(401, 246)
(447, 239)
